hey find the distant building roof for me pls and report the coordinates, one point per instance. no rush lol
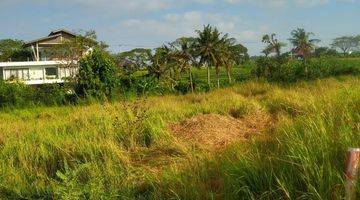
(56, 32)
(52, 35)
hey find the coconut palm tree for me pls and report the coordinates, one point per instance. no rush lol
(302, 42)
(184, 55)
(273, 44)
(160, 62)
(208, 44)
(225, 55)
(213, 49)
(236, 55)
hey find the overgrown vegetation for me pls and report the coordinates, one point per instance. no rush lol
(307, 111)
(123, 150)
(97, 76)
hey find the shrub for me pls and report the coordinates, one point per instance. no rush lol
(15, 94)
(284, 70)
(269, 67)
(97, 76)
(148, 85)
(54, 94)
(19, 95)
(183, 87)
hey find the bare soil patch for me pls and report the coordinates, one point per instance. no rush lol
(213, 131)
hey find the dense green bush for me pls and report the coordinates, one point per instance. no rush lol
(97, 77)
(285, 70)
(19, 95)
(54, 94)
(15, 94)
(140, 85)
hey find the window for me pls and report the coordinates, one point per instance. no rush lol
(51, 73)
(17, 74)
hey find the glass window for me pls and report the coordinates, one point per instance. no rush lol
(51, 73)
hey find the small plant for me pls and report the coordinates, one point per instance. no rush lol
(68, 187)
(130, 126)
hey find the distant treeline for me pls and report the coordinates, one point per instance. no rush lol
(185, 65)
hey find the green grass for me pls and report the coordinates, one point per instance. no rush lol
(122, 150)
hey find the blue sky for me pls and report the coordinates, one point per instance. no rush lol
(126, 24)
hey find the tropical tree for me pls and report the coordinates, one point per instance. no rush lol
(13, 50)
(239, 53)
(133, 60)
(207, 46)
(302, 42)
(273, 44)
(346, 43)
(184, 55)
(97, 75)
(160, 62)
(325, 51)
(234, 54)
(75, 49)
(213, 49)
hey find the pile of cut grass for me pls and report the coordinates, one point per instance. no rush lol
(123, 150)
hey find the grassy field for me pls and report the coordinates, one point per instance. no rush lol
(254, 140)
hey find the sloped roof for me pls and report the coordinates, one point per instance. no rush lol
(53, 34)
(56, 32)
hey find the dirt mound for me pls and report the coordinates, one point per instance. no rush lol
(213, 131)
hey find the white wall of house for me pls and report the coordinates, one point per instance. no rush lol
(34, 73)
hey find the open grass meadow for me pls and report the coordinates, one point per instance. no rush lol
(255, 140)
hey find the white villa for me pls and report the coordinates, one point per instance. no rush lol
(45, 68)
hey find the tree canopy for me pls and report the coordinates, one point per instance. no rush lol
(273, 44)
(346, 43)
(13, 50)
(303, 44)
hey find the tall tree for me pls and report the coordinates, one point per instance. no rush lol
(302, 42)
(133, 60)
(97, 75)
(273, 44)
(185, 56)
(13, 50)
(75, 49)
(211, 45)
(234, 54)
(346, 43)
(207, 45)
(161, 62)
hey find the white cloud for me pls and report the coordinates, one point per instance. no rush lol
(282, 3)
(173, 25)
(118, 6)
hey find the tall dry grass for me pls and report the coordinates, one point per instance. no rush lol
(122, 150)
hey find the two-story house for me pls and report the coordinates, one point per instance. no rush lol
(45, 66)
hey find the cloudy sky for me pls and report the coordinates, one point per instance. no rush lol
(126, 24)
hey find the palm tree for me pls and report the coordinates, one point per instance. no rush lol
(231, 54)
(266, 51)
(303, 44)
(160, 62)
(208, 45)
(273, 44)
(213, 48)
(184, 55)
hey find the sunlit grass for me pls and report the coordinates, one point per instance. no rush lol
(122, 150)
